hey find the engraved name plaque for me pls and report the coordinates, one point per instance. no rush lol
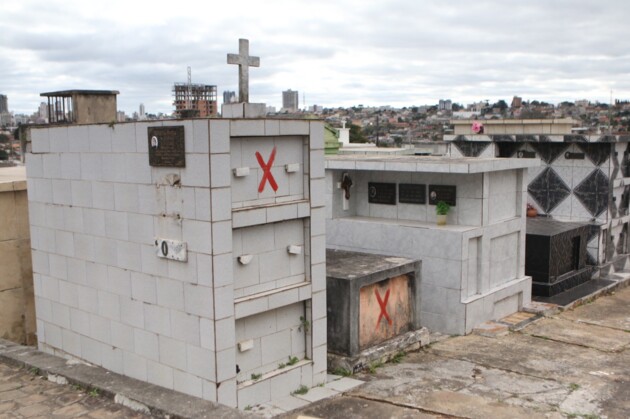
(412, 194)
(444, 193)
(166, 146)
(382, 193)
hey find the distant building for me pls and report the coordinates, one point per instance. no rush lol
(81, 106)
(445, 105)
(4, 104)
(229, 96)
(290, 100)
(582, 103)
(141, 113)
(43, 111)
(477, 106)
(5, 116)
(195, 100)
(517, 102)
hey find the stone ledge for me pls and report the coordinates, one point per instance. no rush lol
(383, 352)
(160, 402)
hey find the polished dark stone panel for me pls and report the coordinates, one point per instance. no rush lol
(580, 291)
(571, 281)
(597, 153)
(548, 152)
(548, 189)
(555, 255)
(460, 138)
(592, 192)
(471, 148)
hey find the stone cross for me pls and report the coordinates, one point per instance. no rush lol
(244, 61)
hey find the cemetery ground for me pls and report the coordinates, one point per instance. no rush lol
(574, 364)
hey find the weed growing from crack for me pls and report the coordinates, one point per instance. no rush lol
(301, 390)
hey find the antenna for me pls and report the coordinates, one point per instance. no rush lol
(610, 114)
(189, 89)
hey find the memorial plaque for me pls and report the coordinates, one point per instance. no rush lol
(166, 146)
(412, 194)
(446, 193)
(382, 193)
(573, 156)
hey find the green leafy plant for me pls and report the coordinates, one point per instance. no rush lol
(396, 359)
(574, 386)
(442, 208)
(342, 371)
(281, 365)
(304, 324)
(93, 392)
(248, 407)
(293, 360)
(256, 377)
(301, 390)
(373, 366)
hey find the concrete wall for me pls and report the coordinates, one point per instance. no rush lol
(94, 109)
(515, 126)
(17, 308)
(472, 269)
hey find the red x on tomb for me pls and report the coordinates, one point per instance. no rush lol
(267, 176)
(383, 304)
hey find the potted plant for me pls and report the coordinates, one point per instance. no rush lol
(531, 211)
(442, 209)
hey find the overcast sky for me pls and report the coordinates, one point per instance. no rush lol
(336, 53)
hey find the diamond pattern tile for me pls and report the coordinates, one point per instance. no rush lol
(548, 189)
(575, 139)
(499, 138)
(471, 148)
(625, 162)
(548, 152)
(597, 153)
(526, 138)
(592, 192)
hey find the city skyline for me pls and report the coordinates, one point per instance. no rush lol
(341, 53)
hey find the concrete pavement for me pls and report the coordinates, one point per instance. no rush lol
(24, 394)
(575, 364)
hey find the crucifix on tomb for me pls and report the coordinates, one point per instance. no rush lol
(244, 61)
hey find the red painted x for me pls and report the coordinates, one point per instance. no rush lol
(267, 176)
(383, 305)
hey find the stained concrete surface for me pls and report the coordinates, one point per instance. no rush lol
(575, 364)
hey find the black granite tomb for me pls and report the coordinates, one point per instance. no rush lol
(555, 255)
